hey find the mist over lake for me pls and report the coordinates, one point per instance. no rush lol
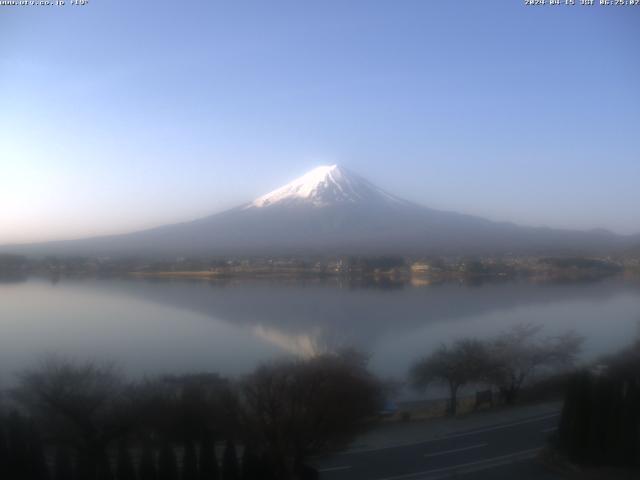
(176, 326)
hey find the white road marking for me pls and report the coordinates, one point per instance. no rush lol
(470, 466)
(499, 427)
(445, 452)
(445, 437)
(334, 469)
(548, 430)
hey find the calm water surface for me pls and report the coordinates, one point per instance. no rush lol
(176, 326)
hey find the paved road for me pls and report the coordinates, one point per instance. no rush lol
(496, 451)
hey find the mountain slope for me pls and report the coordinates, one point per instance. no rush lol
(331, 210)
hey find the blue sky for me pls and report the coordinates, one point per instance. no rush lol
(121, 115)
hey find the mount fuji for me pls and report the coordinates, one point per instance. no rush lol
(331, 210)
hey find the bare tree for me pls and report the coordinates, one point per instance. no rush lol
(295, 408)
(464, 362)
(515, 355)
(83, 404)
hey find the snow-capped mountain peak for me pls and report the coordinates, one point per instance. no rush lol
(324, 186)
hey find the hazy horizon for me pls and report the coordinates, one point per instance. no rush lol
(123, 116)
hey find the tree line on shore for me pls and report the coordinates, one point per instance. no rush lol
(68, 420)
(373, 268)
(83, 421)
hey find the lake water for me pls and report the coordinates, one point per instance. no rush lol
(178, 326)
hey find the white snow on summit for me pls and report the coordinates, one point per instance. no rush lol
(323, 186)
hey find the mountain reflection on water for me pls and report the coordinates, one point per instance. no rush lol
(150, 326)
